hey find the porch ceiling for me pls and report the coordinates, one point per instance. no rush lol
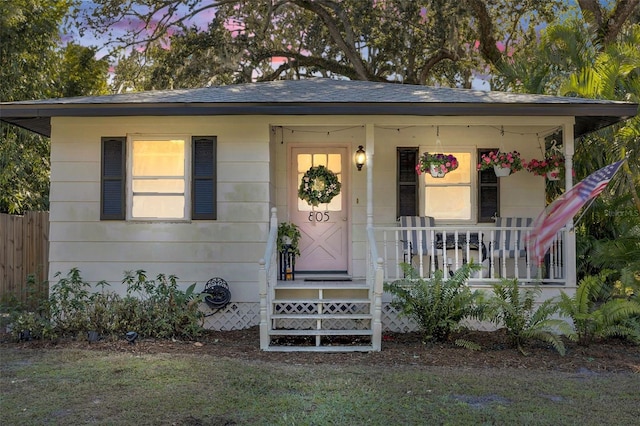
(319, 97)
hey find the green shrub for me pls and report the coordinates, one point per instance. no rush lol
(597, 313)
(515, 310)
(438, 306)
(152, 308)
(69, 302)
(162, 309)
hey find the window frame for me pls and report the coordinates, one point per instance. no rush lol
(186, 213)
(476, 185)
(473, 184)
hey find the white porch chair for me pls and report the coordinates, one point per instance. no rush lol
(417, 242)
(510, 244)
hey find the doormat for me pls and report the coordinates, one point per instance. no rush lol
(329, 279)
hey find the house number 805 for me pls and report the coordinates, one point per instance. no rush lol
(319, 216)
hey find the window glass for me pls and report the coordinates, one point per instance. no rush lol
(448, 202)
(158, 181)
(158, 158)
(158, 206)
(331, 161)
(450, 197)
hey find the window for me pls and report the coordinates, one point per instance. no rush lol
(160, 183)
(157, 179)
(332, 162)
(449, 197)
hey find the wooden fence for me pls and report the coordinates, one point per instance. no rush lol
(24, 250)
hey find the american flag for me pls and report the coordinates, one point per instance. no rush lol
(558, 213)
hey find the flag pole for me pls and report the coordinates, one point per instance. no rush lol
(629, 175)
(575, 222)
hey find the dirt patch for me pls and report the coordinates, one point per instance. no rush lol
(398, 349)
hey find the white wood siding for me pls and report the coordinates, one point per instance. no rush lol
(228, 247)
(252, 177)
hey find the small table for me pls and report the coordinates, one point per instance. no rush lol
(451, 245)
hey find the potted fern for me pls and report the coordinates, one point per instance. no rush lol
(289, 237)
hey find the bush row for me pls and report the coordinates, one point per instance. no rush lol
(152, 308)
(440, 307)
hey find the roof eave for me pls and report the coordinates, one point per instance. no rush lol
(589, 116)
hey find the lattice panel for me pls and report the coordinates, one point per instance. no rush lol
(295, 308)
(392, 321)
(236, 316)
(345, 308)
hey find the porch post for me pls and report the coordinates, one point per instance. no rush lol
(570, 237)
(369, 140)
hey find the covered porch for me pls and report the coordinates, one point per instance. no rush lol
(338, 315)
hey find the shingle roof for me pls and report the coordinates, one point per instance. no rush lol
(319, 97)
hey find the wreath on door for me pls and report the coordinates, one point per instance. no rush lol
(318, 185)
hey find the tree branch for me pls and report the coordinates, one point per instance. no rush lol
(347, 46)
(299, 60)
(488, 44)
(440, 56)
(607, 27)
(619, 15)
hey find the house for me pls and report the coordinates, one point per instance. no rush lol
(194, 182)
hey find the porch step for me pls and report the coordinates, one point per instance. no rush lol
(341, 300)
(328, 348)
(277, 332)
(323, 316)
(321, 285)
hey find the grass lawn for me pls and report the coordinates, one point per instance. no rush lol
(73, 386)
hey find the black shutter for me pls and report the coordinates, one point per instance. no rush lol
(203, 184)
(488, 192)
(407, 191)
(112, 182)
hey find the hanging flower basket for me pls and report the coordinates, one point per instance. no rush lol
(438, 165)
(319, 185)
(503, 163)
(554, 174)
(551, 166)
(502, 171)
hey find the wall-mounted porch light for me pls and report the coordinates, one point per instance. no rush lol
(361, 157)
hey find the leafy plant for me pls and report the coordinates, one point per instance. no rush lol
(516, 311)
(153, 308)
(292, 233)
(438, 306)
(507, 160)
(161, 309)
(69, 302)
(444, 163)
(596, 313)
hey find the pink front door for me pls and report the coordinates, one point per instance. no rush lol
(325, 228)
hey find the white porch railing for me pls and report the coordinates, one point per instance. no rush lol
(375, 281)
(267, 277)
(501, 251)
